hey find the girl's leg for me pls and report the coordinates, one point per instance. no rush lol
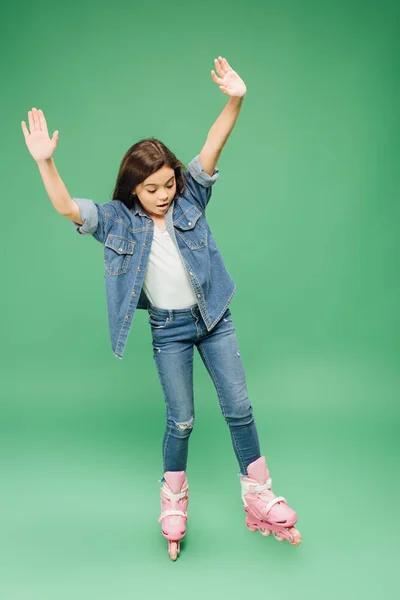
(174, 361)
(220, 353)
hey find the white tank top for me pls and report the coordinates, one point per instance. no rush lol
(166, 284)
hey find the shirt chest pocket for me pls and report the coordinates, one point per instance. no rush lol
(191, 229)
(118, 251)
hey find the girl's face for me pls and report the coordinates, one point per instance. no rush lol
(157, 191)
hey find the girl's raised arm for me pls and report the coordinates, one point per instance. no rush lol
(42, 148)
(233, 86)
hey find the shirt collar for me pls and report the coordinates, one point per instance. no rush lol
(138, 209)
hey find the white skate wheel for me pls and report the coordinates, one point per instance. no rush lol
(173, 550)
(295, 535)
(264, 532)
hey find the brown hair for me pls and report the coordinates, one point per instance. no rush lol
(139, 162)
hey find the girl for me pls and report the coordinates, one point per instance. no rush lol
(160, 255)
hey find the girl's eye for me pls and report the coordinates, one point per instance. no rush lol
(152, 191)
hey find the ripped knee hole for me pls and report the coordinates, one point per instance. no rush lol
(188, 425)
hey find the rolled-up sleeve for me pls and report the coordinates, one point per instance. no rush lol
(92, 215)
(199, 183)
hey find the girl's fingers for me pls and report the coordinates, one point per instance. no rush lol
(42, 120)
(24, 129)
(36, 118)
(218, 67)
(222, 62)
(227, 65)
(31, 121)
(215, 78)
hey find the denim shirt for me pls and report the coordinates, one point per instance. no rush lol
(127, 235)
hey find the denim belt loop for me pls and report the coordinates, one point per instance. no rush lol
(170, 314)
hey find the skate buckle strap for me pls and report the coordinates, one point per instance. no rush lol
(273, 502)
(166, 492)
(261, 487)
(170, 513)
(258, 489)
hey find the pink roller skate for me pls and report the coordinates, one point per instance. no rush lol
(264, 510)
(174, 501)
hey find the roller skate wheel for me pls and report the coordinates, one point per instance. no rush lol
(173, 550)
(265, 532)
(295, 536)
(279, 537)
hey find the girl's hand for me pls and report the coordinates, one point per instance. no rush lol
(39, 144)
(229, 81)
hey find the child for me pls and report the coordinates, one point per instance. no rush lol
(160, 255)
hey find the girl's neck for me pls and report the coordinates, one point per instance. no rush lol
(159, 222)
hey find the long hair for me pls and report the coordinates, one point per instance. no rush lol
(139, 162)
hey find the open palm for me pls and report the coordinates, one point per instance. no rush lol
(228, 80)
(38, 141)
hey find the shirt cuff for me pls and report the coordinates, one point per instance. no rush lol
(89, 216)
(198, 173)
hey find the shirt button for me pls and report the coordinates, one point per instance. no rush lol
(198, 295)
(189, 223)
(127, 317)
(139, 269)
(133, 293)
(190, 273)
(144, 244)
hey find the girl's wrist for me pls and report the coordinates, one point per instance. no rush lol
(237, 99)
(44, 162)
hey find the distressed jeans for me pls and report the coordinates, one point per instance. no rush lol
(175, 332)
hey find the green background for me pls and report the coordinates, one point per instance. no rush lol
(306, 215)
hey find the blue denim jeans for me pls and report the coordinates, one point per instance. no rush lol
(174, 334)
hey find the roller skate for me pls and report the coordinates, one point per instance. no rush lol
(174, 501)
(265, 511)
